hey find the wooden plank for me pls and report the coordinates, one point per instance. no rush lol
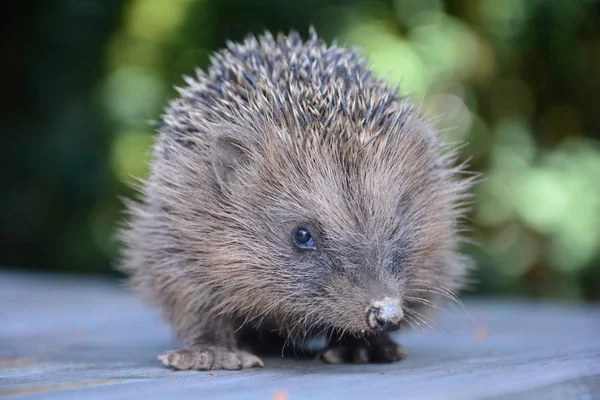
(63, 338)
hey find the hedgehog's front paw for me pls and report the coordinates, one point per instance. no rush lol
(381, 349)
(205, 358)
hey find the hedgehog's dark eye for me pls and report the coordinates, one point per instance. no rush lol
(303, 238)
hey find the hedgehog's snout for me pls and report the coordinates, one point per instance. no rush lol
(384, 315)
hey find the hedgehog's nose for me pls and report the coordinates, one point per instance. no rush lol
(385, 315)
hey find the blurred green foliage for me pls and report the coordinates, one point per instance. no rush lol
(518, 79)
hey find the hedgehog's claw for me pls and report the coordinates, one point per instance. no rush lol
(381, 350)
(204, 358)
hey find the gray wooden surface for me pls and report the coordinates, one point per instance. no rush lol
(63, 338)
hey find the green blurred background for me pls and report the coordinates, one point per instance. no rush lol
(519, 79)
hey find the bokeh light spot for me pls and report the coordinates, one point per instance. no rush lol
(134, 96)
(130, 154)
(504, 18)
(454, 116)
(155, 20)
(392, 57)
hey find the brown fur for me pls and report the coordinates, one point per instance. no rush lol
(282, 133)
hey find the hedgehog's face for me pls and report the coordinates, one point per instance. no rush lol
(339, 238)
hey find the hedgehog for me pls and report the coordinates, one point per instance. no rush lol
(291, 195)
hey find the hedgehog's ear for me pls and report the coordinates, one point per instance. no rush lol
(229, 156)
